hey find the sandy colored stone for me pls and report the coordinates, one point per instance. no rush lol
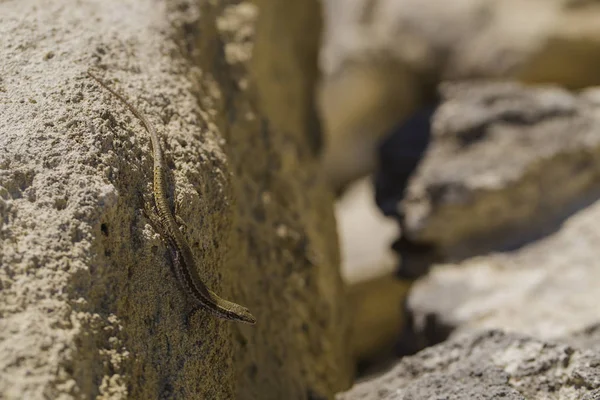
(89, 307)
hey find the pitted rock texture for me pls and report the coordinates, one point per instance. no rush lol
(89, 307)
(488, 365)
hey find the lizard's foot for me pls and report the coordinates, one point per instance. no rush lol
(152, 216)
(182, 225)
(178, 219)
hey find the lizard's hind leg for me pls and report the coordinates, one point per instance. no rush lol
(182, 225)
(150, 213)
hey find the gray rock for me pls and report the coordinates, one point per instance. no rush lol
(506, 165)
(488, 365)
(513, 169)
(548, 289)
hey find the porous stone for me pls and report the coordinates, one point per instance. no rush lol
(89, 307)
(488, 365)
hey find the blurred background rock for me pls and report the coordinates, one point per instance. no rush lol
(474, 126)
(382, 60)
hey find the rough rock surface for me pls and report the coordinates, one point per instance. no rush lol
(382, 60)
(506, 164)
(88, 305)
(488, 365)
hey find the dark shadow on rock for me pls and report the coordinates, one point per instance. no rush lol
(416, 258)
(399, 155)
(415, 338)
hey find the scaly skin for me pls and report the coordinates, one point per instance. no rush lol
(183, 260)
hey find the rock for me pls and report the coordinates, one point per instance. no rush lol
(382, 60)
(89, 306)
(588, 338)
(547, 289)
(506, 164)
(510, 170)
(488, 365)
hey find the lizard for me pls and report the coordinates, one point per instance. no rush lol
(184, 263)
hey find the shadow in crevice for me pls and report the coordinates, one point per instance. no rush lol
(415, 338)
(400, 153)
(517, 236)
